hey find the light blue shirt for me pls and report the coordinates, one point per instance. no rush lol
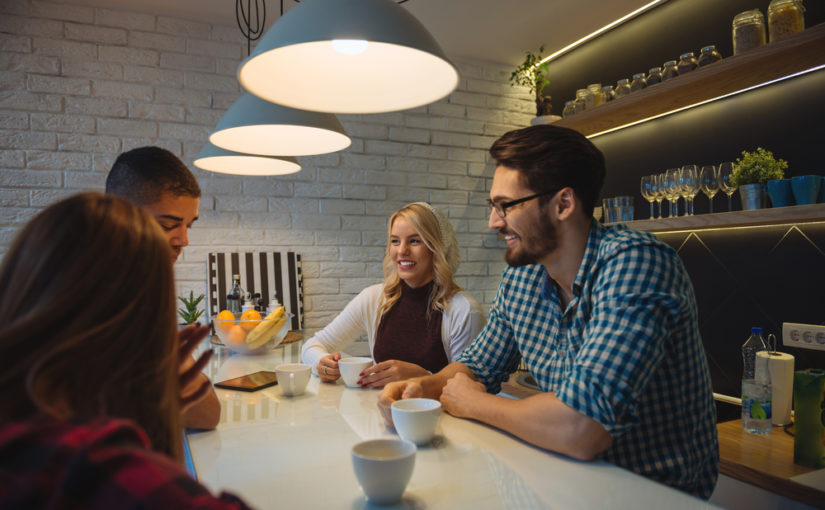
(626, 351)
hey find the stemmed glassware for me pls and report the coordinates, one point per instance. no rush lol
(658, 191)
(647, 185)
(689, 183)
(672, 190)
(725, 171)
(709, 181)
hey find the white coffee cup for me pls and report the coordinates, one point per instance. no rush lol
(351, 369)
(415, 419)
(383, 468)
(293, 378)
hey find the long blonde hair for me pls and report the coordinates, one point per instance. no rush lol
(88, 330)
(426, 225)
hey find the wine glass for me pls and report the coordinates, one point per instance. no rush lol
(689, 179)
(709, 180)
(672, 190)
(658, 192)
(725, 184)
(647, 184)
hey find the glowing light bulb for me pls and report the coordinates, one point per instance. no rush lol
(349, 46)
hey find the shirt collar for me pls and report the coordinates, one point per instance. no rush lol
(594, 238)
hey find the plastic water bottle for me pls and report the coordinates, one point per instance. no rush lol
(756, 386)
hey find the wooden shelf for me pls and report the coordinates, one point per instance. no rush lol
(764, 461)
(775, 216)
(796, 53)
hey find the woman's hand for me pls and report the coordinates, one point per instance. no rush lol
(389, 371)
(328, 367)
(193, 384)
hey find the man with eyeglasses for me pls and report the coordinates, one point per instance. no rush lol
(604, 318)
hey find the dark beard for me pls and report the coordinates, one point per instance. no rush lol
(533, 246)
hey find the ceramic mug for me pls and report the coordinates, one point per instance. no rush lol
(383, 468)
(415, 419)
(351, 369)
(806, 188)
(780, 192)
(293, 378)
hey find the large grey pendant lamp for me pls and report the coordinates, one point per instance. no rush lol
(348, 56)
(255, 126)
(215, 159)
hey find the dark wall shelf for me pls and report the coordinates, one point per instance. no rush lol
(794, 54)
(761, 217)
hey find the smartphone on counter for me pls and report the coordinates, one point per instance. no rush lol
(250, 382)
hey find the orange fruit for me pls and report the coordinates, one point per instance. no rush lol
(224, 321)
(250, 319)
(236, 335)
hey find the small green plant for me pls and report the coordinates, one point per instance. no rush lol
(533, 75)
(190, 313)
(757, 167)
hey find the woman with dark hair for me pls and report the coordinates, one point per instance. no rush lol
(418, 320)
(89, 357)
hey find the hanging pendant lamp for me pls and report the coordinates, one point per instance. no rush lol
(223, 161)
(348, 56)
(255, 126)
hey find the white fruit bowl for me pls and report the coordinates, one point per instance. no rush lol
(233, 333)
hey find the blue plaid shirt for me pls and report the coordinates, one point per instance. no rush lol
(626, 352)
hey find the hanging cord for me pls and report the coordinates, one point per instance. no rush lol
(251, 31)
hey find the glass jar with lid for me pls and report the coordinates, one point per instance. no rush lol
(785, 18)
(609, 94)
(748, 31)
(584, 100)
(639, 82)
(709, 55)
(622, 88)
(654, 76)
(687, 63)
(596, 90)
(569, 109)
(669, 70)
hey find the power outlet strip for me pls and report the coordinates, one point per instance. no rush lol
(803, 336)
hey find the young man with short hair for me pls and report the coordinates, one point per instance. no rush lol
(159, 183)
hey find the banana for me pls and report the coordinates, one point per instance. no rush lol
(263, 331)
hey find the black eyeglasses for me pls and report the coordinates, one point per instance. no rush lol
(501, 209)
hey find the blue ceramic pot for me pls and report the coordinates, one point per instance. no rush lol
(780, 192)
(806, 188)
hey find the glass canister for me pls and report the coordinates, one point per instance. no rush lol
(622, 88)
(584, 100)
(569, 109)
(709, 55)
(609, 94)
(687, 63)
(639, 82)
(785, 17)
(654, 76)
(669, 70)
(748, 31)
(596, 90)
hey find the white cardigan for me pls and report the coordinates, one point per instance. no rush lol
(461, 322)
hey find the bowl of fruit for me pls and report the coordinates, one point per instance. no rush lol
(250, 333)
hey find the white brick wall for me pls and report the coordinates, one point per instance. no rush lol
(79, 85)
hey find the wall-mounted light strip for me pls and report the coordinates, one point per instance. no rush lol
(602, 30)
(706, 101)
(688, 230)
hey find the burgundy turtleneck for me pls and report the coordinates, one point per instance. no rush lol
(405, 333)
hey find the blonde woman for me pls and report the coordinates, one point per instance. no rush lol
(418, 320)
(90, 364)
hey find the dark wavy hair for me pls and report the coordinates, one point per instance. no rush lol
(88, 330)
(550, 157)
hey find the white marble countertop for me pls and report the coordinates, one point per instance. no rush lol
(287, 453)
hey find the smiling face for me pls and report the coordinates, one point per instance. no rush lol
(175, 214)
(529, 235)
(413, 260)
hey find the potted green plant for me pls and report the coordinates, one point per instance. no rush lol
(533, 75)
(190, 311)
(752, 171)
